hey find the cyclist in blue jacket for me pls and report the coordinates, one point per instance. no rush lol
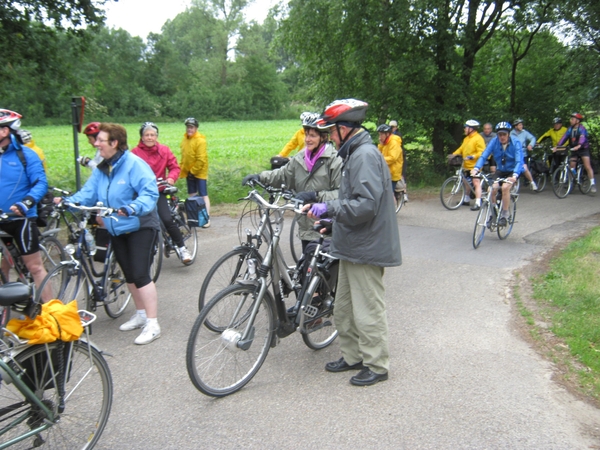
(508, 153)
(125, 182)
(23, 184)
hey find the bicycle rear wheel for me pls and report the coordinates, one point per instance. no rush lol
(115, 289)
(562, 181)
(190, 238)
(585, 185)
(218, 362)
(68, 282)
(452, 193)
(481, 224)
(229, 268)
(88, 396)
(320, 331)
(504, 231)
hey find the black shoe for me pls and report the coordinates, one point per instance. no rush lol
(475, 207)
(366, 378)
(341, 366)
(502, 222)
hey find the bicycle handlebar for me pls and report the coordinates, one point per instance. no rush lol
(103, 211)
(255, 196)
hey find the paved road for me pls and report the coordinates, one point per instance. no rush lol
(461, 377)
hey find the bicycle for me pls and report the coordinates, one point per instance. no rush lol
(232, 335)
(538, 167)
(166, 246)
(51, 251)
(452, 192)
(563, 178)
(232, 266)
(489, 216)
(55, 395)
(78, 279)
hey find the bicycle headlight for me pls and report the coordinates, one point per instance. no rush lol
(70, 249)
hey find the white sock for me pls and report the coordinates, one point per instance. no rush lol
(478, 202)
(154, 320)
(466, 198)
(141, 313)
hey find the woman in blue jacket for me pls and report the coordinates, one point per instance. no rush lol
(125, 182)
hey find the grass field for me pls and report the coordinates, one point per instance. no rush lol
(235, 149)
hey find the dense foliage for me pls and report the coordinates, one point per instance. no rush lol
(430, 64)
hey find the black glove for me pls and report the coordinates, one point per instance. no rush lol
(307, 197)
(25, 205)
(324, 223)
(250, 179)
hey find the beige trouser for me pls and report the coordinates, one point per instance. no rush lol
(360, 316)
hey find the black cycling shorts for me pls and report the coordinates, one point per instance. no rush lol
(24, 233)
(581, 152)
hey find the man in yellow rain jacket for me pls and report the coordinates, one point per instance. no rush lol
(471, 149)
(390, 146)
(194, 162)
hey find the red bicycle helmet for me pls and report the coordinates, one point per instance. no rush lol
(346, 110)
(92, 129)
(577, 116)
(10, 119)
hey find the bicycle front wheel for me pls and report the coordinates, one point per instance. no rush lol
(481, 223)
(88, 392)
(504, 231)
(117, 295)
(220, 363)
(540, 181)
(157, 258)
(561, 181)
(295, 242)
(452, 193)
(52, 252)
(68, 282)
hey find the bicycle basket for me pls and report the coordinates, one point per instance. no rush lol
(456, 161)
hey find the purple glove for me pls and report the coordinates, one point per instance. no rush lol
(318, 209)
(470, 157)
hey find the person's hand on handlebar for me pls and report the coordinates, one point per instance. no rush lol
(250, 179)
(474, 172)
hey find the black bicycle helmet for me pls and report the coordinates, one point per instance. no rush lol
(556, 120)
(191, 121)
(384, 128)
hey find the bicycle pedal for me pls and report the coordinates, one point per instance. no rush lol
(310, 311)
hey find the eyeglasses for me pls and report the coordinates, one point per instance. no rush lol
(102, 140)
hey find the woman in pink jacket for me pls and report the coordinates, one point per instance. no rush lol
(163, 163)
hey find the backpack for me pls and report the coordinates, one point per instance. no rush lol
(195, 208)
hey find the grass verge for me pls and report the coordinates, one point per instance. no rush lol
(559, 300)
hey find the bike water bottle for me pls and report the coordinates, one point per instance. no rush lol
(574, 172)
(90, 241)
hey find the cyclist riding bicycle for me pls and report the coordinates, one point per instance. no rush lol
(471, 149)
(577, 139)
(23, 183)
(508, 154)
(555, 133)
(163, 163)
(527, 141)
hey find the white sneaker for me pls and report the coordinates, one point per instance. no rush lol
(533, 186)
(206, 225)
(405, 198)
(185, 255)
(150, 332)
(593, 189)
(135, 322)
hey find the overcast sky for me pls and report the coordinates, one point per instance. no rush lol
(140, 17)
